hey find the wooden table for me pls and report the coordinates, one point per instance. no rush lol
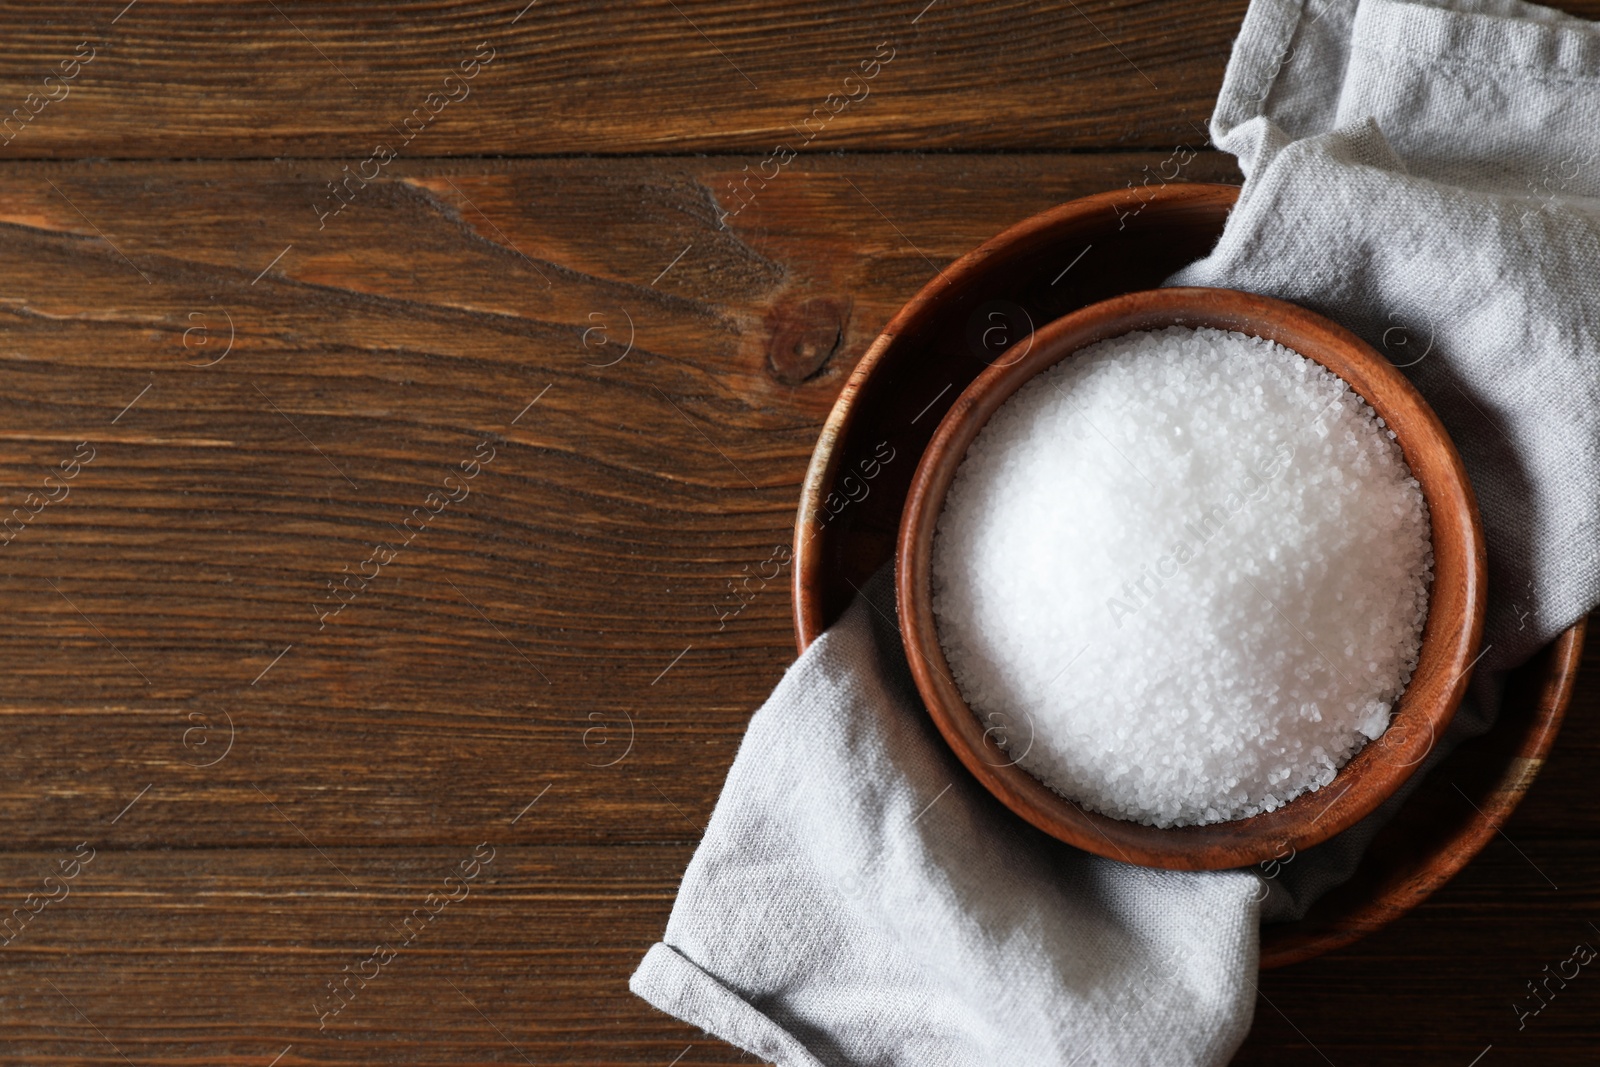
(420, 405)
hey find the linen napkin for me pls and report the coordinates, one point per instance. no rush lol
(1427, 174)
(858, 899)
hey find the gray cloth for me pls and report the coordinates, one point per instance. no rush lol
(858, 899)
(1427, 174)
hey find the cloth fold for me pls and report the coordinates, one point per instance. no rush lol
(1427, 174)
(1452, 220)
(858, 893)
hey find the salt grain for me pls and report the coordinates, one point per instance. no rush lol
(1183, 574)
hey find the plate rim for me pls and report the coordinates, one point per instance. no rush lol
(1281, 943)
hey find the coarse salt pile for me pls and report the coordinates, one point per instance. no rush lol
(1182, 576)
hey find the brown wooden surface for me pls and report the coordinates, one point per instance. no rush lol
(571, 601)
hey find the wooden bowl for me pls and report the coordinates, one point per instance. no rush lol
(1449, 640)
(1045, 266)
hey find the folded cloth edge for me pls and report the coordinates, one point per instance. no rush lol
(1259, 54)
(673, 984)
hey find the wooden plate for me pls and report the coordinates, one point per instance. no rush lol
(1076, 254)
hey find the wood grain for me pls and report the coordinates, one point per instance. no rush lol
(262, 79)
(532, 622)
(218, 955)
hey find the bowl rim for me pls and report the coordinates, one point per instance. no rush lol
(811, 557)
(1425, 709)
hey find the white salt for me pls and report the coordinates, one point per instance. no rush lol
(1182, 575)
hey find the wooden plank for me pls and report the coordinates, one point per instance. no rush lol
(569, 603)
(223, 955)
(176, 79)
(230, 957)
